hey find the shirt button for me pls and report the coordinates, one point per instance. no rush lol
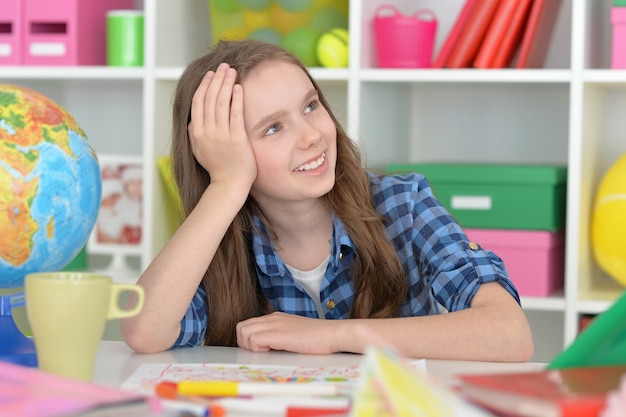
(473, 246)
(340, 255)
(330, 304)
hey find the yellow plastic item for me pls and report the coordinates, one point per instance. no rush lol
(390, 386)
(608, 222)
(174, 204)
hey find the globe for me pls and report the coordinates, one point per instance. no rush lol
(50, 185)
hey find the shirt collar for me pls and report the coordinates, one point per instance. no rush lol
(268, 261)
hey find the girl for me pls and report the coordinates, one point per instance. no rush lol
(289, 243)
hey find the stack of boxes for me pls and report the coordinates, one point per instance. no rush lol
(60, 32)
(516, 211)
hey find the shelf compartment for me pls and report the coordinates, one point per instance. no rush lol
(558, 53)
(109, 111)
(447, 123)
(602, 143)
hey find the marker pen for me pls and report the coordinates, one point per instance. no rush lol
(236, 389)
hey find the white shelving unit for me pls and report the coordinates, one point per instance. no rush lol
(567, 113)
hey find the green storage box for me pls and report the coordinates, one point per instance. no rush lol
(498, 196)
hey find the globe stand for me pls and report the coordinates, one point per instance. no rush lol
(15, 347)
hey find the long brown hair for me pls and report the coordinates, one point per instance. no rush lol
(230, 281)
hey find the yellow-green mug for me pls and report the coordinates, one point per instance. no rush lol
(67, 313)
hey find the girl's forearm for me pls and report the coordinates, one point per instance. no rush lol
(494, 331)
(174, 275)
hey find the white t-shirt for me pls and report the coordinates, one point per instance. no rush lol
(312, 282)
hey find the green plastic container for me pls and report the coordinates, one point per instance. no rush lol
(601, 343)
(79, 262)
(498, 196)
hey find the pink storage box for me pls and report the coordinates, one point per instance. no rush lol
(618, 52)
(67, 32)
(535, 259)
(11, 32)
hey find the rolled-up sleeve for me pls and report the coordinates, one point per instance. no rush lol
(194, 323)
(442, 267)
(453, 266)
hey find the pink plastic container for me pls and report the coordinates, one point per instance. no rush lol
(404, 41)
(535, 259)
(618, 52)
(11, 32)
(67, 32)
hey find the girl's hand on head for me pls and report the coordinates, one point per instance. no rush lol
(216, 131)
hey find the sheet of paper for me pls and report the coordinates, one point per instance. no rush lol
(148, 375)
(145, 378)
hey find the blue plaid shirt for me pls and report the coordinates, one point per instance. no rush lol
(423, 233)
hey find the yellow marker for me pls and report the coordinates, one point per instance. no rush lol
(234, 389)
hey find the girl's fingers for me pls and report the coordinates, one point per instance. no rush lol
(217, 92)
(210, 110)
(223, 103)
(237, 126)
(199, 97)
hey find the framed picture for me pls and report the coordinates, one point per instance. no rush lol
(119, 223)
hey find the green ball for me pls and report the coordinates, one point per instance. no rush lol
(333, 48)
(295, 6)
(254, 4)
(266, 35)
(327, 18)
(225, 6)
(302, 42)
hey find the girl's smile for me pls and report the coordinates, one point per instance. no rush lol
(314, 166)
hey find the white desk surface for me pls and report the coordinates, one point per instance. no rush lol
(116, 361)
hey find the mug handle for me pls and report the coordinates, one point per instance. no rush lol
(115, 311)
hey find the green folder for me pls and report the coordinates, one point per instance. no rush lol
(602, 342)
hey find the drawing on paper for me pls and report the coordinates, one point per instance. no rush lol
(147, 376)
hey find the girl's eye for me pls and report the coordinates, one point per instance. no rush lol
(310, 107)
(272, 129)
